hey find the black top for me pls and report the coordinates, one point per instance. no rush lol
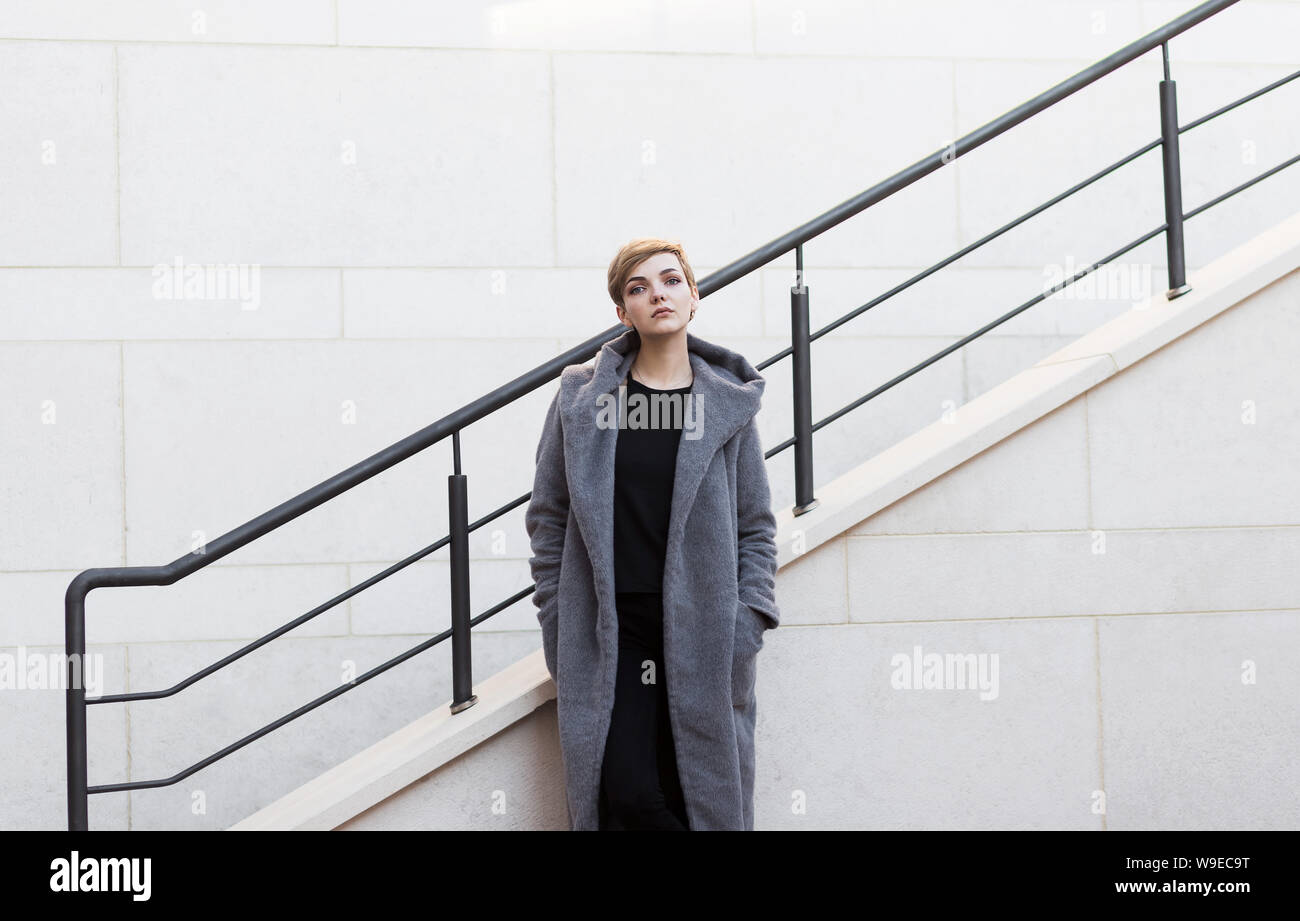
(645, 463)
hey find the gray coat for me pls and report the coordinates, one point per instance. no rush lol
(718, 588)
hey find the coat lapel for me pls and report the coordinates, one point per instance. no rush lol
(722, 406)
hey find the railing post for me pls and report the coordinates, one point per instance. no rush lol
(462, 683)
(74, 626)
(801, 369)
(1173, 183)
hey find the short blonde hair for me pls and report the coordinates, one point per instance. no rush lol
(637, 251)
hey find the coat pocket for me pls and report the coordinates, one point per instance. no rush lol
(744, 658)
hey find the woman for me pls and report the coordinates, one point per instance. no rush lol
(654, 558)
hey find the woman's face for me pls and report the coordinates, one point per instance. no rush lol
(656, 298)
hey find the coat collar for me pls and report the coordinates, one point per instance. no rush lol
(727, 391)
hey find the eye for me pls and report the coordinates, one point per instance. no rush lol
(633, 290)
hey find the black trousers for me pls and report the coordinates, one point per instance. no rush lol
(639, 786)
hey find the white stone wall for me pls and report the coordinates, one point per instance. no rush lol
(1129, 558)
(424, 200)
(512, 781)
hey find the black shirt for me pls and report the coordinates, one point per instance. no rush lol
(645, 463)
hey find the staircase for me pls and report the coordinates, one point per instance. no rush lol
(1119, 702)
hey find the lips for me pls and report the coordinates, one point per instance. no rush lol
(661, 311)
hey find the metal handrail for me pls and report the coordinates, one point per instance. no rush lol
(1188, 215)
(454, 423)
(963, 145)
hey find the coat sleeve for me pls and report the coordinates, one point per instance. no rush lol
(545, 520)
(756, 531)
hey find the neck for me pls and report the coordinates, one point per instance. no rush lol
(663, 362)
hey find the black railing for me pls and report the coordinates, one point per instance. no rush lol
(799, 351)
